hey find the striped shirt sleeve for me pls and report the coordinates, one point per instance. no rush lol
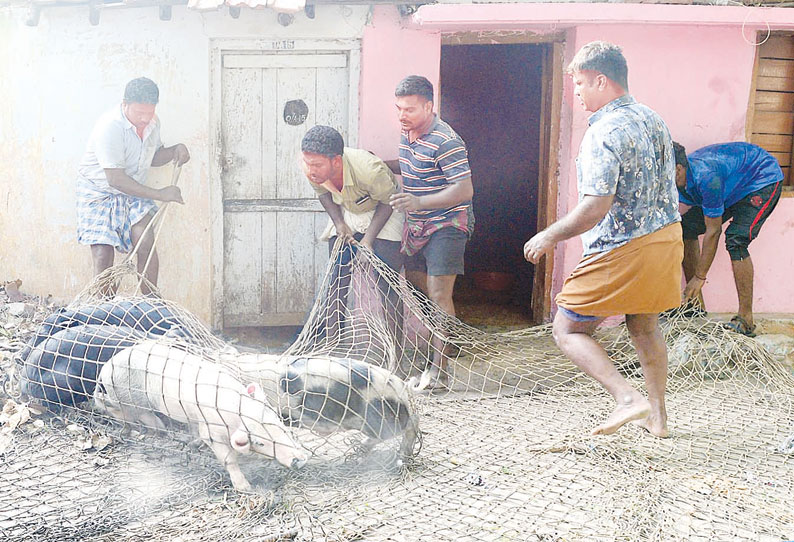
(453, 160)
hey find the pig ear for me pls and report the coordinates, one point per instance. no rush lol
(253, 389)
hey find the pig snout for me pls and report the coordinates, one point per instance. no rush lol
(279, 447)
(278, 444)
(266, 434)
(291, 456)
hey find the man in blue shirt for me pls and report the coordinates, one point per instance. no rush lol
(739, 182)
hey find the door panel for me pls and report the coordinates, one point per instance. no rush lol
(242, 122)
(273, 262)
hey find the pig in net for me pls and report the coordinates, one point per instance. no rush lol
(158, 430)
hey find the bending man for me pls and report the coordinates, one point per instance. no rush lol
(627, 217)
(354, 187)
(739, 182)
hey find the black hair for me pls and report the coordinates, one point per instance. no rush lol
(323, 140)
(415, 85)
(680, 155)
(141, 91)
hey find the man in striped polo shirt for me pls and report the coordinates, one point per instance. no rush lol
(436, 200)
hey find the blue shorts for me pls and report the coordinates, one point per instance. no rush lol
(442, 255)
(575, 316)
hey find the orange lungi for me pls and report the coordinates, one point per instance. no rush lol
(641, 277)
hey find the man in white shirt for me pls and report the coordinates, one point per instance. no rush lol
(114, 205)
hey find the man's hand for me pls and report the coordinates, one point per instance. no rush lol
(692, 288)
(343, 231)
(367, 242)
(404, 202)
(539, 245)
(170, 193)
(181, 154)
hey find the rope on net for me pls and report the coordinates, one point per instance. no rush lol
(156, 429)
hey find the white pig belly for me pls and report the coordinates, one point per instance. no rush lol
(192, 390)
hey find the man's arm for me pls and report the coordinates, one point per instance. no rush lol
(394, 166)
(122, 182)
(335, 212)
(177, 153)
(452, 195)
(710, 241)
(584, 216)
(379, 219)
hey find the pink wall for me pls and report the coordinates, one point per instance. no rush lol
(389, 52)
(698, 79)
(697, 76)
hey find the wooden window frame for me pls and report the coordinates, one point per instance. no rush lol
(788, 190)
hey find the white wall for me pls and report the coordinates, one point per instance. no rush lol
(59, 76)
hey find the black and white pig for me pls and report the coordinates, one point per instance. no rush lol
(326, 395)
(154, 377)
(62, 369)
(144, 315)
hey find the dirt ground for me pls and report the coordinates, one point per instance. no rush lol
(497, 476)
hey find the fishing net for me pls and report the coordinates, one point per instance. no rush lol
(386, 420)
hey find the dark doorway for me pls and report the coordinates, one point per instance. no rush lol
(492, 95)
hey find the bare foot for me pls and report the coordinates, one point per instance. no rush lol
(654, 425)
(636, 409)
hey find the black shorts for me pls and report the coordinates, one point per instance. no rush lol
(746, 215)
(442, 255)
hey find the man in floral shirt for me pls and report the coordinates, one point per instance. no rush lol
(628, 220)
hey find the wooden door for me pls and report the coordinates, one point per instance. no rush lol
(273, 261)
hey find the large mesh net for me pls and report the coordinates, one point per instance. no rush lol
(386, 420)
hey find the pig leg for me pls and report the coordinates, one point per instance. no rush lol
(130, 416)
(226, 456)
(150, 419)
(228, 459)
(409, 439)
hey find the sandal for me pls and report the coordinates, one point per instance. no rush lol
(740, 325)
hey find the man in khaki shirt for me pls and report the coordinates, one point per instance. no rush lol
(354, 187)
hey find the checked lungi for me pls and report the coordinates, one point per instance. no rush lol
(105, 218)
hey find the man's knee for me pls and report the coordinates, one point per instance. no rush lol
(137, 231)
(564, 326)
(102, 256)
(642, 325)
(147, 253)
(562, 333)
(558, 332)
(439, 288)
(737, 250)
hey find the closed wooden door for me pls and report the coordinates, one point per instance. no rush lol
(273, 261)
